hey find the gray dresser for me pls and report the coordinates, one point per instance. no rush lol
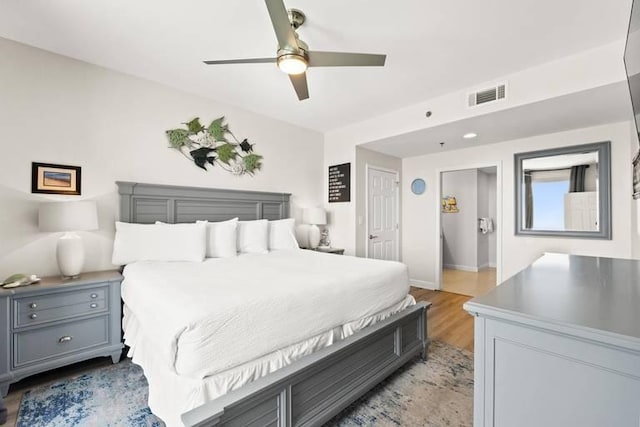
(558, 345)
(58, 322)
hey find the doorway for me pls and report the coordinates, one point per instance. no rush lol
(468, 225)
(383, 235)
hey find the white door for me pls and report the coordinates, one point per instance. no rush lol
(382, 214)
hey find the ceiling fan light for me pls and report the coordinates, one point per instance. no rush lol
(292, 64)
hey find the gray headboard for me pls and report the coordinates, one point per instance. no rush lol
(147, 203)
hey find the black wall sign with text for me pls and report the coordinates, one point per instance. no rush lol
(340, 183)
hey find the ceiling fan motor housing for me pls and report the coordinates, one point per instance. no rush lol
(301, 50)
(296, 17)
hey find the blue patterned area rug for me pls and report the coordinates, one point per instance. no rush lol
(435, 393)
(115, 395)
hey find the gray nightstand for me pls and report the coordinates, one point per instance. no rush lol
(58, 322)
(336, 251)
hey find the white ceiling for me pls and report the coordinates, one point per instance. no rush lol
(606, 104)
(434, 47)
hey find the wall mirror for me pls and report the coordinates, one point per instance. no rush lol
(564, 192)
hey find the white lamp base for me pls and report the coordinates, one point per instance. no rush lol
(70, 255)
(302, 235)
(314, 236)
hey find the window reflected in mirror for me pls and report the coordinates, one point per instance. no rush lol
(564, 191)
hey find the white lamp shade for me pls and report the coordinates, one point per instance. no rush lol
(316, 216)
(68, 216)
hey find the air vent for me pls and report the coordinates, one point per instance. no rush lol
(484, 96)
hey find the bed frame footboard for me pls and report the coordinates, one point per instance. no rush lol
(314, 389)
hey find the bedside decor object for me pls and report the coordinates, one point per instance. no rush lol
(58, 322)
(48, 178)
(340, 183)
(210, 146)
(69, 217)
(19, 279)
(315, 217)
(325, 242)
(449, 205)
(418, 186)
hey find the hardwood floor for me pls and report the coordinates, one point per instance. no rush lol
(447, 322)
(469, 282)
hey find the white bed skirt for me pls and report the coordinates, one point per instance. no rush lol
(170, 394)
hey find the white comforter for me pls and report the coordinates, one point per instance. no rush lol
(211, 316)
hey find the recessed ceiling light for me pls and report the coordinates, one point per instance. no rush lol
(469, 135)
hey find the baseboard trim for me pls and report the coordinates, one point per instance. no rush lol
(493, 265)
(461, 267)
(423, 284)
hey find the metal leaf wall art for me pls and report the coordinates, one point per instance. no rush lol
(211, 145)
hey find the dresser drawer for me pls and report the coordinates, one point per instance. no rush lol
(37, 316)
(50, 342)
(64, 305)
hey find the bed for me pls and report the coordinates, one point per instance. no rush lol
(279, 349)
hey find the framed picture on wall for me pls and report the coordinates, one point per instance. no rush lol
(48, 178)
(340, 183)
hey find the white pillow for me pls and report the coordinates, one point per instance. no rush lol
(253, 236)
(282, 234)
(154, 242)
(221, 238)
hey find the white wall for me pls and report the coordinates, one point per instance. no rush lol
(58, 110)
(460, 237)
(597, 67)
(342, 216)
(366, 157)
(419, 237)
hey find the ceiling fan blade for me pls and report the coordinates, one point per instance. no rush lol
(299, 82)
(280, 20)
(344, 59)
(242, 61)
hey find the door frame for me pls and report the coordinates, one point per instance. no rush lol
(369, 167)
(498, 220)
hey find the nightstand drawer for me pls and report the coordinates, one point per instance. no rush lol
(59, 299)
(50, 342)
(64, 305)
(37, 316)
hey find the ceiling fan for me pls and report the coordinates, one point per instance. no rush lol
(294, 56)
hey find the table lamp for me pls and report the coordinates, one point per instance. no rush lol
(315, 217)
(69, 217)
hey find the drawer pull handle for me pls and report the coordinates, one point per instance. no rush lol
(33, 305)
(33, 316)
(93, 305)
(65, 339)
(94, 296)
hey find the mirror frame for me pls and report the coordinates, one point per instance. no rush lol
(604, 190)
